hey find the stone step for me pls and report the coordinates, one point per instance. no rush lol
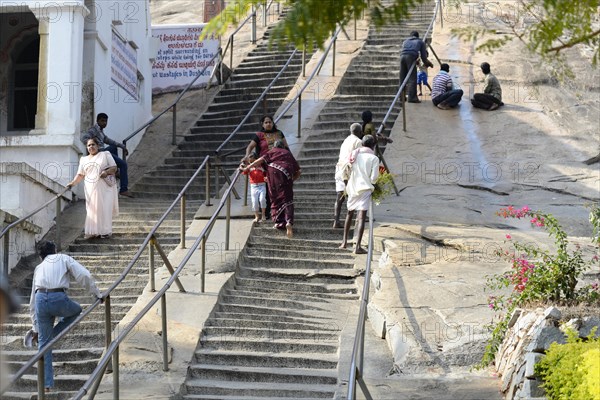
(264, 374)
(267, 333)
(232, 323)
(259, 390)
(293, 263)
(61, 383)
(70, 367)
(339, 286)
(277, 252)
(260, 359)
(262, 302)
(229, 343)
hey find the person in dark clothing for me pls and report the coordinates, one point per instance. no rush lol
(411, 49)
(107, 144)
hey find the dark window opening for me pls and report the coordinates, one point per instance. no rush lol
(25, 87)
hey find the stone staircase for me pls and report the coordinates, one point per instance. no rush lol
(275, 331)
(229, 107)
(76, 356)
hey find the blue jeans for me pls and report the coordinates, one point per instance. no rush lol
(122, 165)
(451, 98)
(48, 306)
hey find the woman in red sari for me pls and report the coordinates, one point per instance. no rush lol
(282, 171)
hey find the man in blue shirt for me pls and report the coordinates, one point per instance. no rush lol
(411, 49)
(107, 144)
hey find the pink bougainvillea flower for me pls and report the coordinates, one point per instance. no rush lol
(508, 236)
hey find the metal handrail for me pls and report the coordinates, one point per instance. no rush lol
(6, 235)
(356, 362)
(311, 76)
(157, 225)
(114, 345)
(185, 90)
(249, 113)
(107, 292)
(32, 213)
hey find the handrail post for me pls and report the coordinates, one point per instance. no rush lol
(403, 95)
(116, 374)
(182, 222)
(174, 142)
(41, 378)
(246, 190)
(107, 325)
(333, 59)
(217, 165)
(230, 59)
(253, 37)
(228, 222)
(265, 13)
(207, 185)
(355, 28)
(57, 218)
(203, 265)
(6, 252)
(163, 310)
(299, 127)
(107, 322)
(304, 62)
(151, 268)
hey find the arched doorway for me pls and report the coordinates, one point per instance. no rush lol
(24, 90)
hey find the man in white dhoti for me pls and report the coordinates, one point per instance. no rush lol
(352, 142)
(365, 171)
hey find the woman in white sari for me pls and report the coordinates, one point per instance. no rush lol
(101, 197)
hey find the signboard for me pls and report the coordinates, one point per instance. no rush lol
(181, 57)
(123, 66)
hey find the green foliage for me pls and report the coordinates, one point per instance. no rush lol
(537, 275)
(309, 23)
(570, 371)
(383, 187)
(595, 221)
(545, 26)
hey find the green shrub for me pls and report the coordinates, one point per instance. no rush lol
(570, 371)
(538, 275)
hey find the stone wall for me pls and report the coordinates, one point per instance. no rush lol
(529, 335)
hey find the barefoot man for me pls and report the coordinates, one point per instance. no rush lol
(365, 171)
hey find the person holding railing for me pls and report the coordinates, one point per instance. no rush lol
(411, 49)
(363, 175)
(342, 171)
(282, 171)
(107, 144)
(101, 201)
(49, 300)
(262, 142)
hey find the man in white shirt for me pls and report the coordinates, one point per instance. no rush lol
(49, 298)
(365, 171)
(352, 142)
